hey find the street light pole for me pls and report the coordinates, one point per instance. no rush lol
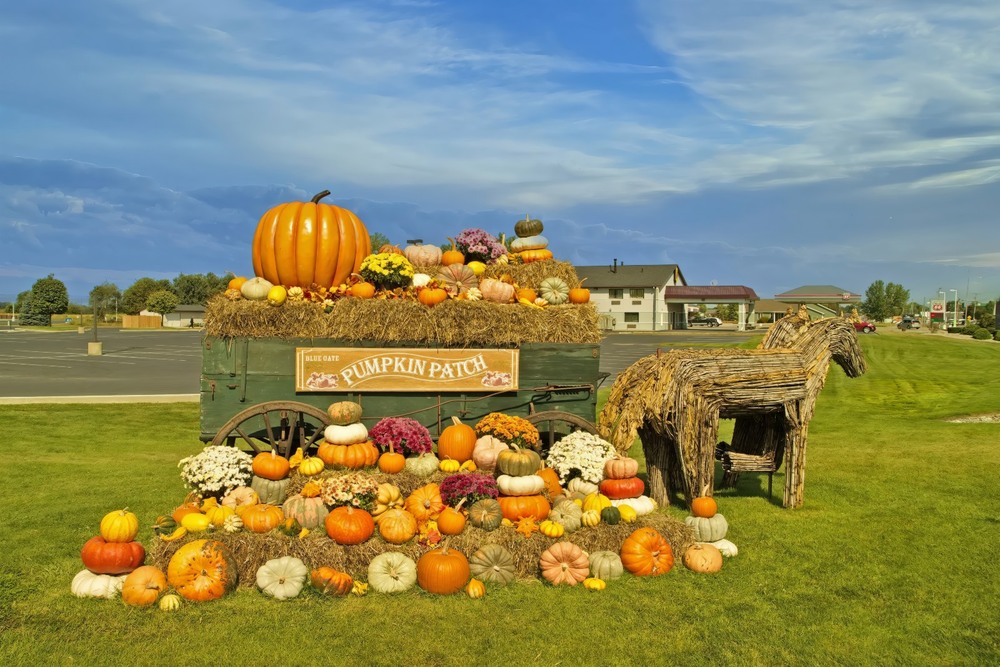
(954, 319)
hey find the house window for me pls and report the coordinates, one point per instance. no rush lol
(636, 293)
(616, 293)
(631, 317)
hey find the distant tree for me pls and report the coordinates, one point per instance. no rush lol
(875, 305)
(216, 284)
(104, 299)
(21, 300)
(162, 302)
(135, 297)
(48, 297)
(378, 240)
(896, 298)
(728, 312)
(191, 288)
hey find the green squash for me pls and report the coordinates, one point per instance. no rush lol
(493, 564)
(611, 515)
(486, 514)
(708, 530)
(606, 565)
(554, 290)
(309, 512)
(270, 491)
(567, 513)
(528, 227)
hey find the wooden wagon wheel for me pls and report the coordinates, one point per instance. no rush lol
(552, 425)
(282, 426)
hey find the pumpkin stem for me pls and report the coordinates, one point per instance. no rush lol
(452, 243)
(456, 421)
(320, 195)
(461, 502)
(444, 546)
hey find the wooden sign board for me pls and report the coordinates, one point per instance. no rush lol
(400, 369)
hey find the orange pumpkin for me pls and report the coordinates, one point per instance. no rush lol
(552, 484)
(143, 586)
(579, 294)
(329, 581)
(397, 526)
(431, 296)
(453, 256)
(236, 282)
(443, 570)
(189, 507)
(270, 465)
(515, 508)
(451, 521)
(262, 518)
(202, 570)
(646, 553)
(620, 467)
(362, 290)
(457, 441)
(700, 557)
(617, 489)
(527, 294)
(391, 462)
(425, 503)
(537, 255)
(352, 457)
(564, 563)
(349, 525)
(704, 507)
(391, 249)
(301, 243)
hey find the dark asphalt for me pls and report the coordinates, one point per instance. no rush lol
(166, 365)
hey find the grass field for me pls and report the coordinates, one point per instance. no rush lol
(890, 562)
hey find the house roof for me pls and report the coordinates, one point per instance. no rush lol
(710, 293)
(773, 306)
(632, 275)
(819, 294)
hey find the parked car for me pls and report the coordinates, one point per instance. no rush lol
(909, 322)
(864, 327)
(707, 321)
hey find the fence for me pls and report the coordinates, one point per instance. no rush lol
(141, 321)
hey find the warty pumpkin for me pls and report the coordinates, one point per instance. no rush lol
(302, 243)
(422, 255)
(202, 570)
(564, 563)
(703, 558)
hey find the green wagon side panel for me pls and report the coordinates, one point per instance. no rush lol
(240, 372)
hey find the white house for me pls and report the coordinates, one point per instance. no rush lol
(631, 298)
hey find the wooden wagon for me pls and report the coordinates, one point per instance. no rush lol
(256, 392)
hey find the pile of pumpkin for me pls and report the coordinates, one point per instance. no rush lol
(317, 252)
(531, 499)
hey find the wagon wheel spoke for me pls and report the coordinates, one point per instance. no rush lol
(553, 424)
(280, 426)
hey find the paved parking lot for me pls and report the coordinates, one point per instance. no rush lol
(166, 365)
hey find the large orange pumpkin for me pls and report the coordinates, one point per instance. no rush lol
(103, 557)
(443, 570)
(352, 457)
(646, 552)
(349, 525)
(457, 441)
(202, 570)
(519, 507)
(301, 243)
(143, 586)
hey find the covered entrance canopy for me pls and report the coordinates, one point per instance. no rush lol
(820, 300)
(741, 295)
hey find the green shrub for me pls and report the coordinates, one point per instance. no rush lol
(969, 329)
(981, 334)
(996, 336)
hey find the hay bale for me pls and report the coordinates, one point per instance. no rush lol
(453, 323)
(251, 550)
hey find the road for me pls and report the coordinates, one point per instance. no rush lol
(161, 365)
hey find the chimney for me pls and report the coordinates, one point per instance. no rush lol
(614, 269)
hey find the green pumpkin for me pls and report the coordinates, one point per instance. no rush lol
(518, 462)
(343, 413)
(528, 227)
(493, 564)
(424, 465)
(567, 513)
(611, 516)
(606, 565)
(708, 530)
(270, 491)
(486, 514)
(554, 290)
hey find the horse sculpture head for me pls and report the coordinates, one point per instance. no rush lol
(837, 334)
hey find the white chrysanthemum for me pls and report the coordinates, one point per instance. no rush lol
(216, 469)
(580, 452)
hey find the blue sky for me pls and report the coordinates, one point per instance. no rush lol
(772, 144)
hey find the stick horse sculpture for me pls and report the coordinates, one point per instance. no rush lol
(674, 401)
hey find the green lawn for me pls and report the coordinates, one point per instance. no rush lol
(890, 561)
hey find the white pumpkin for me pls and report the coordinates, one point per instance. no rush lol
(424, 465)
(421, 279)
(708, 530)
(525, 485)
(392, 572)
(484, 454)
(256, 289)
(642, 505)
(351, 434)
(606, 565)
(282, 578)
(725, 547)
(580, 486)
(86, 584)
